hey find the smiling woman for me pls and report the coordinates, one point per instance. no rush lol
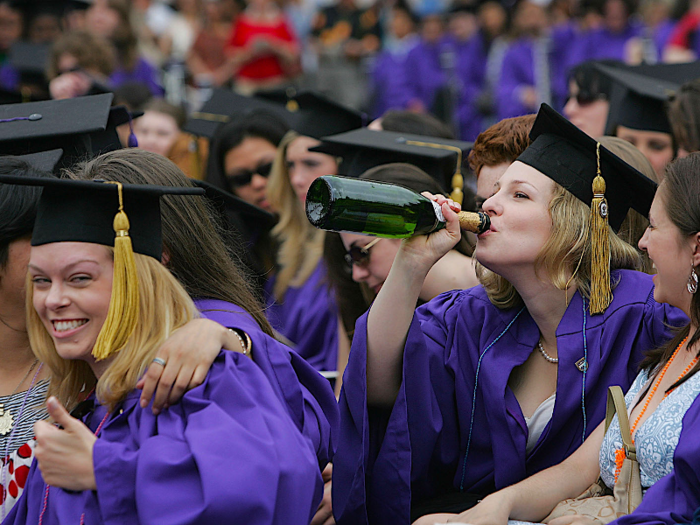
(100, 306)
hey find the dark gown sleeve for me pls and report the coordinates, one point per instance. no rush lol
(384, 455)
(675, 497)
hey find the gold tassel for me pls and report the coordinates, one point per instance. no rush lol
(601, 296)
(124, 305)
(457, 185)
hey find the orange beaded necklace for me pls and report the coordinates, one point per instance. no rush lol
(620, 453)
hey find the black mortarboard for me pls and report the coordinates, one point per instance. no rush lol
(45, 161)
(567, 155)
(67, 124)
(314, 115)
(362, 149)
(83, 211)
(225, 105)
(637, 101)
(597, 177)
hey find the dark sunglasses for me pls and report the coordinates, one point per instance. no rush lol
(583, 99)
(360, 255)
(244, 177)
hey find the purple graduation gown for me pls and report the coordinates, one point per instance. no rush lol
(518, 71)
(455, 423)
(227, 453)
(675, 497)
(307, 395)
(308, 317)
(599, 44)
(389, 85)
(424, 73)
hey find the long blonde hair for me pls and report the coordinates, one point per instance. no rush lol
(565, 254)
(301, 245)
(164, 306)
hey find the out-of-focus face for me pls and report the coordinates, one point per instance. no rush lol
(306, 166)
(72, 287)
(671, 252)
(373, 264)
(431, 29)
(486, 181)
(10, 26)
(530, 18)
(156, 132)
(462, 25)
(492, 18)
(247, 167)
(615, 15)
(401, 24)
(101, 20)
(520, 221)
(590, 115)
(656, 146)
(45, 28)
(12, 281)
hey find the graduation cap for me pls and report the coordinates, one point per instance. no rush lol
(314, 115)
(45, 161)
(637, 101)
(223, 106)
(597, 177)
(124, 216)
(362, 149)
(80, 126)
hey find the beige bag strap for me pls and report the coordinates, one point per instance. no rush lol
(616, 403)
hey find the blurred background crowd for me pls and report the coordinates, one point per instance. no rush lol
(471, 63)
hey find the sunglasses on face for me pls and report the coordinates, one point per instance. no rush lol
(360, 255)
(583, 99)
(245, 177)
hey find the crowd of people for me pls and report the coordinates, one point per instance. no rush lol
(180, 344)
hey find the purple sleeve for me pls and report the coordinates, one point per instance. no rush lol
(675, 497)
(516, 74)
(306, 394)
(389, 85)
(227, 453)
(381, 453)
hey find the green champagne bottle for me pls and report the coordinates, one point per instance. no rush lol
(343, 204)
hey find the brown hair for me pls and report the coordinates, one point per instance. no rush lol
(92, 53)
(502, 142)
(158, 105)
(679, 193)
(684, 116)
(192, 237)
(634, 225)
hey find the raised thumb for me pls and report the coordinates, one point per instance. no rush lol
(58, 413)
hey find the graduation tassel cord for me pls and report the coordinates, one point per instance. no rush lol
(476, 386)
(601, 296)
(123, 312)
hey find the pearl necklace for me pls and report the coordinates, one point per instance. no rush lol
(553, 360)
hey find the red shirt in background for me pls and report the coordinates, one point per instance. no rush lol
(266, 66)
